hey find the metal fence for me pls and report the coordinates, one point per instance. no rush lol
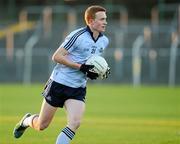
(140, 52)
(152, 68)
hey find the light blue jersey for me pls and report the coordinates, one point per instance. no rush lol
(81, 45)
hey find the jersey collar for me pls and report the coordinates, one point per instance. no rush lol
(91, 33)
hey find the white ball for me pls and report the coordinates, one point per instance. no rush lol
(100, 64)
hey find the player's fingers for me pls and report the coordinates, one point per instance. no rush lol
(91, 66)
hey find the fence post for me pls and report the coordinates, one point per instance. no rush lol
(23, 18)
(123, 19)
(72, 20)
(172, 62)
(47, 22)
(28, 50)
(179, 20)
(136, 60)
(9, 44)
(154, 18)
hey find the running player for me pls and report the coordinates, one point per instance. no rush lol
(67, 84)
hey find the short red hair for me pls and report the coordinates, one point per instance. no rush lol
(91, 11)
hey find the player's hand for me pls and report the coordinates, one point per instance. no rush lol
(86, 68)
(105, 76)
(92, 75)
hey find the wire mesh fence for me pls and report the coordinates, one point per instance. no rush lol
(140, 52)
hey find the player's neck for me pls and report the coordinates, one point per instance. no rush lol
(95, 33)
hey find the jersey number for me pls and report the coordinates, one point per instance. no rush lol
(93, 51)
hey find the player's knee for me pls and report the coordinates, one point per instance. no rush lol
(75, 124)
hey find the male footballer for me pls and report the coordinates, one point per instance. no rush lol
(66, 86)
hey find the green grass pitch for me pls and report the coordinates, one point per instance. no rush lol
(115, 114)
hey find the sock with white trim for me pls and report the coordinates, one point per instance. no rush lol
(65, 136)
(28, 120)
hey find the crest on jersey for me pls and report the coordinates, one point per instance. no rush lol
(100, 50)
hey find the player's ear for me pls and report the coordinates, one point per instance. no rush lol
(90, 21)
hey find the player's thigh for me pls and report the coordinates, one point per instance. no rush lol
(47, 112)
(75, 109)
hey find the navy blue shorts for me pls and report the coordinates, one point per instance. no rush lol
(56, 94)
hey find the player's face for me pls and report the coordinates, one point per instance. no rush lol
(99, 23)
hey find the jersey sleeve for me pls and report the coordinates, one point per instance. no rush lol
(67, 44)
(70, 41)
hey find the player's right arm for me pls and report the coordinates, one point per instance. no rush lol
(60, 56)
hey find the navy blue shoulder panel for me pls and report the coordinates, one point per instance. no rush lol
(74, 38)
